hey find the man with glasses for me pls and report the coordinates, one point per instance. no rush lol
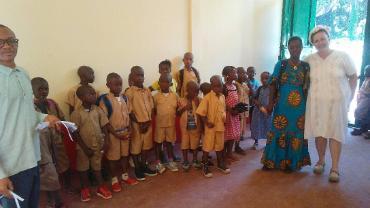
(19, 142)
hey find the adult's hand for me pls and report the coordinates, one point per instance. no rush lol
(52, 121)
(5, 187)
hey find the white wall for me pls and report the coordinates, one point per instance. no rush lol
(111, 36)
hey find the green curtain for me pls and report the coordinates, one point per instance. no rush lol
(366, 53)
(298, 20)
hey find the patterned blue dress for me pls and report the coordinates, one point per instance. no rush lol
(286, 147)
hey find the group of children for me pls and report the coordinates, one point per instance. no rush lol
(118, 125)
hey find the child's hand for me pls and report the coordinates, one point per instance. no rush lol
(106, 147)
(144, 126)
(263, 110)
(234, 112)
(269, 108)
(210, 125)
(189, 106)
(88, 152)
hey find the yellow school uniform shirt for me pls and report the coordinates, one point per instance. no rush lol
(214, 108)
(141, 102)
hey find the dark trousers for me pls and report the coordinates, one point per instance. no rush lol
(26, 185)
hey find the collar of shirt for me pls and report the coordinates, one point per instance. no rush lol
(138, 88)
(7, 70)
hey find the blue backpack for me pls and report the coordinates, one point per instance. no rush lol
(107, 103)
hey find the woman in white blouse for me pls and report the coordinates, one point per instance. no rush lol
(333, 81)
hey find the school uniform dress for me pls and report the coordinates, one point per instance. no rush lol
(243, 98)
(232, 124)
(261, 123)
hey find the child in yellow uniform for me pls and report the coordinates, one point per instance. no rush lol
(92, 123)
(86, 75)
(142, 106)
(186, 74)
(165, 103)
(212, 110)
(117, 108)
(243, 91)
(164, 68)
(190, 124)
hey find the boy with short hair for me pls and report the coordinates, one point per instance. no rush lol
(51, 146)
(212, 111)
(186, 74)
(86, 75)
(117, 108)
(164, 68)
(165, 105)
(141, 101)
(190, 124)
(92, 123)
(243, 98)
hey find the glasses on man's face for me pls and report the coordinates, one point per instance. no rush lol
(11, 41)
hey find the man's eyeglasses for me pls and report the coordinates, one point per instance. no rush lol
(10, 41)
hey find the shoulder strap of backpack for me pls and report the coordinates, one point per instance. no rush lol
(196, 74)
(53, 104)
(107, 103)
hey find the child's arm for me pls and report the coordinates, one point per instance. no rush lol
(89, 152)
(111, 130)
(272, 97)
(71, 109)
(106, 129)
(205, 121)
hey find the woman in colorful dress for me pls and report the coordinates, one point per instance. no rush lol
(286, 148)
(332, 87)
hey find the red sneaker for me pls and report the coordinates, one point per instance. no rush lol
(104, 192)
(85, 195)
(130, 181)
(116, 187)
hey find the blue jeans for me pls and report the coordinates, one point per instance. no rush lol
(26, 185)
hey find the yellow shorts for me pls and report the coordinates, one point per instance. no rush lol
(167, 134)
(140, 141)
(83, 163)
(213, 140)
(190, 139)
(117, 148)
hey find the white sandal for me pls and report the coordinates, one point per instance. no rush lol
(334, 176)
(319, 169)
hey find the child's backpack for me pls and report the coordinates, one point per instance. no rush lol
(53, 104)
(107, 103)
(181, 76)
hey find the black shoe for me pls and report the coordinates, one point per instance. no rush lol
(206, 172)
(223, 168)
(176, 158)
(210, 163)
(148, 172)
(356, 132)
(139, 175)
